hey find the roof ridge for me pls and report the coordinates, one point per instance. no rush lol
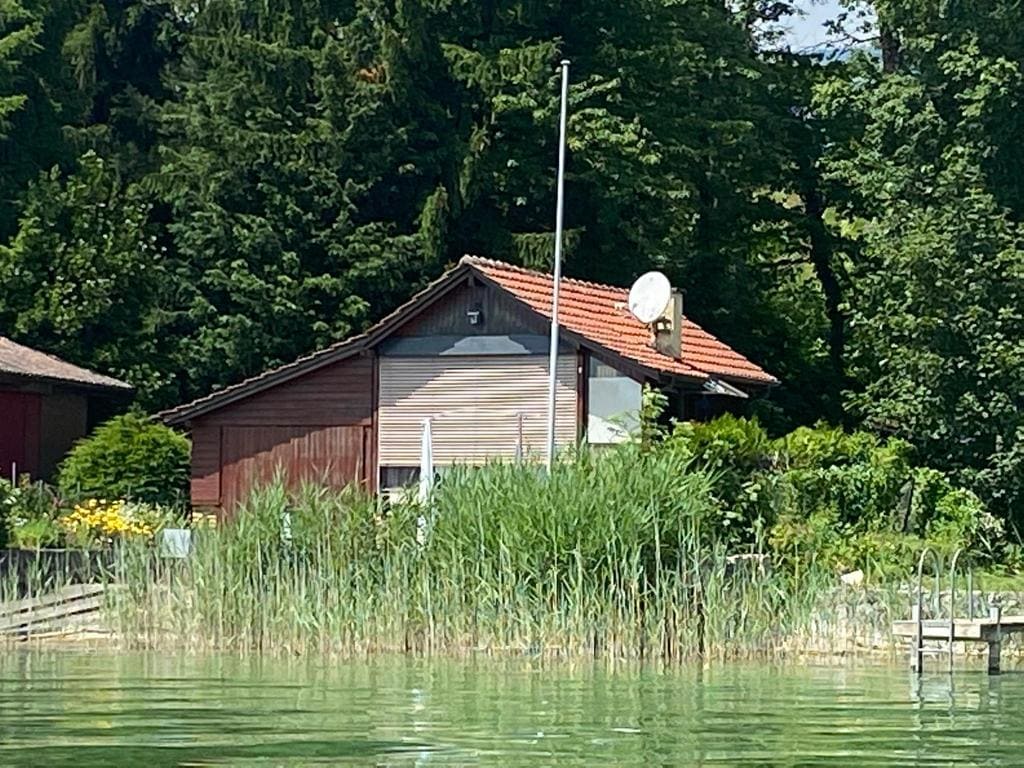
(472, 259)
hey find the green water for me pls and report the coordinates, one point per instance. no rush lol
(81, 709)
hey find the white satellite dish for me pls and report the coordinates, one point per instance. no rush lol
(649, 297)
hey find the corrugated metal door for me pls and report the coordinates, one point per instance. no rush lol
(476, 404)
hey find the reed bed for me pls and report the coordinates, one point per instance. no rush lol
(610, 556)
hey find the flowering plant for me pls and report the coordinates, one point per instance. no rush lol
(100, 521)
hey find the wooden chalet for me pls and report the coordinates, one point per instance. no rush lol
(471, 353)
(46, 404)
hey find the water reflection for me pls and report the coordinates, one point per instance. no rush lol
(100, 709)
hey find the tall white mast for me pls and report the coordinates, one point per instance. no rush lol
(557, 276)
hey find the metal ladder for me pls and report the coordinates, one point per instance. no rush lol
(919, 651)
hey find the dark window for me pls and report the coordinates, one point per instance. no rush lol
(399, 477)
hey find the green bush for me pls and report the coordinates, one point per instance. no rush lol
(734, 452)
(129, 457)
(28, 514)
(6, 513)
(822, 496)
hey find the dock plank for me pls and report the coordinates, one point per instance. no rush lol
(978, 630)
(63, 595)
(26, 620)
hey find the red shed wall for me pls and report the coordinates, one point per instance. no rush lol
(318, 427)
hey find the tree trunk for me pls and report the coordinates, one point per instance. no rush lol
(890, 44)
(822, 252)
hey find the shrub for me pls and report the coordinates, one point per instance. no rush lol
(37, 533)
(734, 451)
(28, 512)
(6, 505)
(129, 457)
(827, 497)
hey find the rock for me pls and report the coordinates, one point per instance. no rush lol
(853, 578)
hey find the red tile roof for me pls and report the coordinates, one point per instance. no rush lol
(600, 313)
(25, 362)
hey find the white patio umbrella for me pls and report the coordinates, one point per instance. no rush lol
(426, 462)
(426, 477)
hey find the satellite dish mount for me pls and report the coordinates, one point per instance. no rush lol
(654, 303)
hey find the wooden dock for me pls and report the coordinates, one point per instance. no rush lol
(990, 630)
(950, 628)
(53, 612)
(964, 630)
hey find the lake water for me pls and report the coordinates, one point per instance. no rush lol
(84, 709)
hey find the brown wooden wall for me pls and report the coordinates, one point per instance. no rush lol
(332, 456)
(340, 393)
(318, 427)
(206, 450)
(500, 314)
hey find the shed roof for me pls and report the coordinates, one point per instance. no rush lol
(595, 314)
(24, 362)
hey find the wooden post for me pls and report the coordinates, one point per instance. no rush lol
(917, 652)
(995, 642)
(995, 648)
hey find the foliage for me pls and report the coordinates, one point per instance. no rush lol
(263, 179)
(828, 498)
(931, 181)
(28, 513)
(653, 403)
(36, 533)
(18, 33)
(32, 509)
(129, 457)
(6, 512)
(32, 516)
(84, 245)
(607, 556)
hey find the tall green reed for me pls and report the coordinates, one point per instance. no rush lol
(611, 555)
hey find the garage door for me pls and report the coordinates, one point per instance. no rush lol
(479, 406)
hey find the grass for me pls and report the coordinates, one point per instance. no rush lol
(608, 557)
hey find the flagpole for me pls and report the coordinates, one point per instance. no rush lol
(557, 272)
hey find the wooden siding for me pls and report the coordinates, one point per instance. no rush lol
(252, 456)
(206, 465)
(64, 418)
(337, 394)
(500, 314)
(475, 404)
(318, 427)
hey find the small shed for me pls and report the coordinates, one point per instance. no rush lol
(470, 352)
(46, 404)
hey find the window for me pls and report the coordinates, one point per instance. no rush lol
(614, 405)
(399, 477)
(408, 477)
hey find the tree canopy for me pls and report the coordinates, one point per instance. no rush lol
(192, 192)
